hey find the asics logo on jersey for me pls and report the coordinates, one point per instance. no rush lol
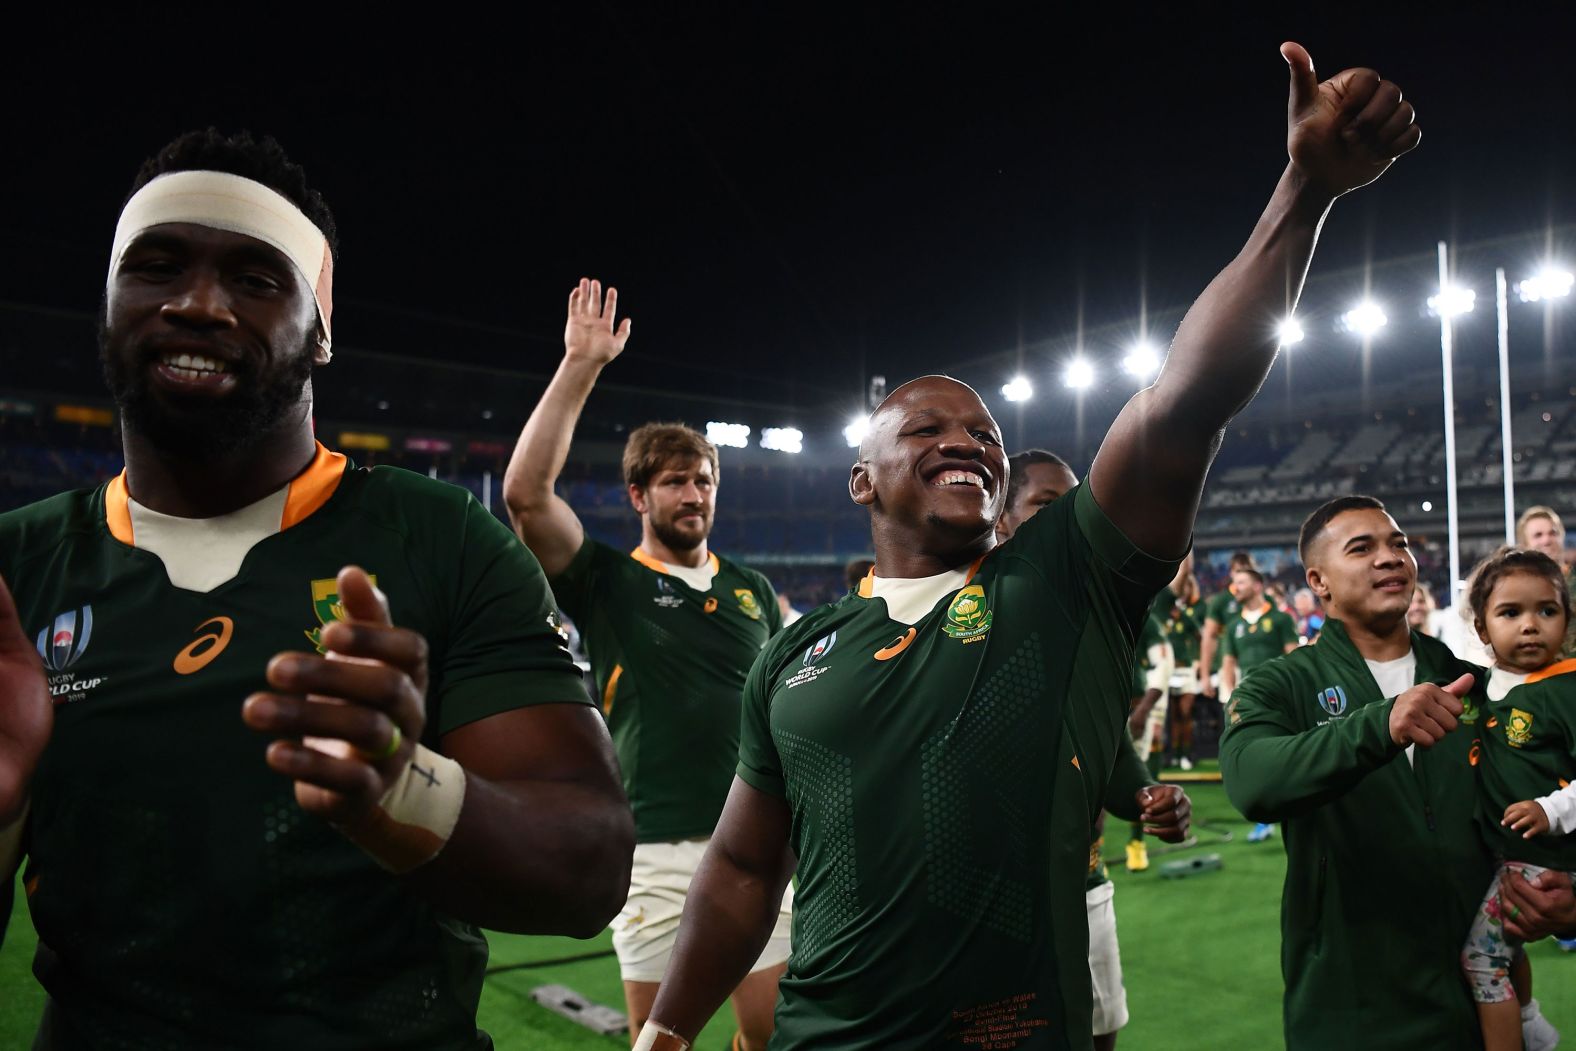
(896, 646)
(822, 647)
(63, 642)
(201, 651)
(1333, 700)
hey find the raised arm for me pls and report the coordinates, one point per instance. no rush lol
(540, 516)
(729, 911)
(1149, 472)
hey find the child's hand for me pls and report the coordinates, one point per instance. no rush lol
(1526, 817)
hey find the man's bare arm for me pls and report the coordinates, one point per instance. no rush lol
(540, 516)
(1228, 676)
(545, 839)
(1209, 641)
(1149, 472)
(729, 912)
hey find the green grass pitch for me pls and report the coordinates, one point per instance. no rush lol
(1201, 957)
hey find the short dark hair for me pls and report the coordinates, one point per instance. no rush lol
(1241, 560)
(1508, 561)
(1017, 475)
(261, 160)
(1314, 524)
(1250, 571)
(654, 447)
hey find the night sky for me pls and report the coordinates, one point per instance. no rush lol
(787, 202)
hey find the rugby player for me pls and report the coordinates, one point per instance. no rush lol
(671, 629)
(1219, 608)
(416, 758)
(1257, 632)
(928, 754)
(1179, 608)
(1541, 529)
(1362, 745)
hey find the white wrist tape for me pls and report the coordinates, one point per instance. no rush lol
(416, 816)
(655, 1036)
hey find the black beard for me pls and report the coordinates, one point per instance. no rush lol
(206, 430)
(674, 540)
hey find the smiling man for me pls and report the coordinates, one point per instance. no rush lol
(1362, 744)
(671, 629)
(415, 756)
(928, 754)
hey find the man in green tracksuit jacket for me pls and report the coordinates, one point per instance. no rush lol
(1360, 744)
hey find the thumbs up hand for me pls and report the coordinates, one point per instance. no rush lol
(1343, 133)
(1424, 714)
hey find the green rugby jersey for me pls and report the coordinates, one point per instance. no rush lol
(670, 663)
(181, 896)
(1149, 634)
(1527, 743)
(1307, 744)
(943, 780)
(1182, 624)
(1220, 608)
(1262, 640)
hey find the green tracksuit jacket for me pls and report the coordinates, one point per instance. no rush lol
(1384, 862)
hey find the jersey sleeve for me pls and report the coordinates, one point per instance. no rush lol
(759, 764)
(1274, 770)
(1288, 631)
(774, 612)
(1226, 648)
(575, 587)
(505, 650)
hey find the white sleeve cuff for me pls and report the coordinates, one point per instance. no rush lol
(1561, 808)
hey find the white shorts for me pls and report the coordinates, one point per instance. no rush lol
(1185, 680)
(1105, 962)
(645, 932)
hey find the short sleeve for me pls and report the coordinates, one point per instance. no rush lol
(1289, 636)
(505, 649)
(574, 587)
(774, 611)
(1213, 611)
(759, 764)
(1226, 647)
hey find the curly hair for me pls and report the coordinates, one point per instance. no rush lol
(261, 160)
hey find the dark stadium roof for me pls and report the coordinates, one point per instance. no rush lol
(791, 202)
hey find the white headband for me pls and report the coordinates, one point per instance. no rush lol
(229, 202)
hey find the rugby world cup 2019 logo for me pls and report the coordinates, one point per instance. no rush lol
(1333, 700)
(63, 642)
(820, 649)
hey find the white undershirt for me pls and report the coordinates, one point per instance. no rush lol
(698, 577)
(199, 554)
(1560, 806)
(908, 599)
(1252, 615)
(1395, 678)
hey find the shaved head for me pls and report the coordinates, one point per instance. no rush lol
(902, 396)
(933, 474)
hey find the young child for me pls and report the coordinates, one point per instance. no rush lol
(1526, 764)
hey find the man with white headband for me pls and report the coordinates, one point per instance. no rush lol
(415, 756)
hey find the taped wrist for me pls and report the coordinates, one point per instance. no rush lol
(654, 1036)
(416, 816)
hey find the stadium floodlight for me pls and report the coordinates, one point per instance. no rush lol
(729, 435)
(1142, 361)
(1452, 301)
(1550, 282)
(1078, 374)
(1365, 318)
(1289, 333)
(1017, 389)
(856, 430)
(782, 439)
